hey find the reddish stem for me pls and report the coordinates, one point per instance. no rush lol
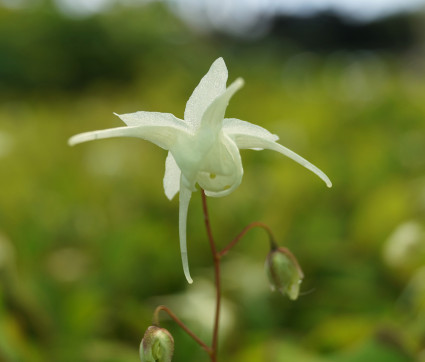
(216, 259)
(212, 351)
(242, 234)
(181, 324)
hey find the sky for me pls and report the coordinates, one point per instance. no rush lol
(239, 16)
(364, 9)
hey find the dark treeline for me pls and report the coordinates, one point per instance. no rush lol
(329, 32)
(42, 49)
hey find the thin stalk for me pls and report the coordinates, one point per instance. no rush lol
(181, 325)
(216, 259)
(229, 246)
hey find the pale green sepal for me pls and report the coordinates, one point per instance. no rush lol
(251, 141)
(210, 87)
(171, 177)
(212, 119)
(185, 195)
(162, 129)
(235, 128)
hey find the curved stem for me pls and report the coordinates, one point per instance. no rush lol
(273, 243)
(181, 325)
(216, 259)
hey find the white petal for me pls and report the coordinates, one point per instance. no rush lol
(250, 141)
(211, 86)
(150, 119)
(203, 150)
(162, 129)
(235, 127)
(106, 133)
(185, 195)
(221, 172)
(171, 177)
(212, 119)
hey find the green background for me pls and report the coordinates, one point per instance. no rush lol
(89, 242)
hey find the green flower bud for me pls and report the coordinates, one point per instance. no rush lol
(284, 272)
(157, 345)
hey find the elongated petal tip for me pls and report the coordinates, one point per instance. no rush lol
(322, 175)
(187, 273)
(74, 140)
(325, 178)
(185, 263)
(219, 61)
(238, 83)
(185, 195)
(83, 137)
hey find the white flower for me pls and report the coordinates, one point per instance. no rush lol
(204, 147)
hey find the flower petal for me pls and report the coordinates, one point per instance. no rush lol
(211, 86)
(249, 140)
(235, 128)
(162, 129)
(221, 172)
(185, 195)
(212, 119)
(171, 177)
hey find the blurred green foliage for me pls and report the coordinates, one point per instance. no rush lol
(89, 242)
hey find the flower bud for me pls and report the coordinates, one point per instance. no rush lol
(157, 345)
(284, 272)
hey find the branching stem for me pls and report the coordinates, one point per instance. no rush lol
(253, 225)
(213, 350)
(181, 325)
